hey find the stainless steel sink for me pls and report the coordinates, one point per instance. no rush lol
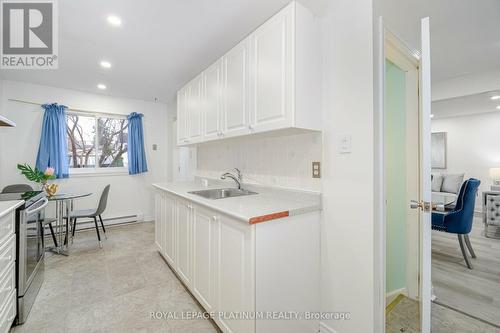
(221, 193)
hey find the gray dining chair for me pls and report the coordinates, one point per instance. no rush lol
(92, 213)
(21, 188)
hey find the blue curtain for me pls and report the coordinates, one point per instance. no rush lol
(136, 153)
(53, 151)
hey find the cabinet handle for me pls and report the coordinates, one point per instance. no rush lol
(215, 218)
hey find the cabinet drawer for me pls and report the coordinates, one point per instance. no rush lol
(7, 283)
(6, 227)
(8, 313)
(7, 253)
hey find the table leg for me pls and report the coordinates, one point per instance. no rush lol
(66, 203)
(71, 224)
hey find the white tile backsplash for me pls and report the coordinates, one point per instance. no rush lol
(284, 161)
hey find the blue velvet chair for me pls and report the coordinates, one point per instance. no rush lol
(459, 220)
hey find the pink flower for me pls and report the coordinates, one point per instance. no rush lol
(49, 172)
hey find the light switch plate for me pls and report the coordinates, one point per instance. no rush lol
(155, 146)
(344, 144)
(316, 169)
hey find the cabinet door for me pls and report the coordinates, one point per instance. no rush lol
(182, 117)
(184, 241)
(194, 106)
(158, 221)
(236, 90)
(212, 102)
(236, 273)
(204, 256)
(169, 229)
(272, 73)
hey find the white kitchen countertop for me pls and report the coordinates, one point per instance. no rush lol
(7, 206)
(268, 204)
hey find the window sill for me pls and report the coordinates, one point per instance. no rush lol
(96, 173)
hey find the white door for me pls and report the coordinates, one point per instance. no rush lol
(195, 108)
(184, 241)
(204, 256)
(425, 176)
(272, 70)
(236, 276)
(169, 229)
(407, 172)
(236, 91)
(212, 102)
(182, 116)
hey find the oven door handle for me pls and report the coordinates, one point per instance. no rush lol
(30, 212)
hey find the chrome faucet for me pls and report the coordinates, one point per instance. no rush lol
(238, 179)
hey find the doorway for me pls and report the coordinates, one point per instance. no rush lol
(402, 184)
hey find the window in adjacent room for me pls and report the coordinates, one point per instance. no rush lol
(97, 143)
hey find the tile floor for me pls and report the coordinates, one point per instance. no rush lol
(113, 289)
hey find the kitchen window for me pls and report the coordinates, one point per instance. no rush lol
(97, 143)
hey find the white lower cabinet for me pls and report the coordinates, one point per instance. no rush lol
(217, 258)
(184, 237)
(205, 228)
(168, 229)
(236, 274)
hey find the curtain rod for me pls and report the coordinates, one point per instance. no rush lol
(71, 109)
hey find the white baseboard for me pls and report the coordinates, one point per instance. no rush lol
(389, 297)
(324, 328)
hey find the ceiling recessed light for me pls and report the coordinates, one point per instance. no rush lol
(432, 116)
(101, 86)
(495, 97)
(114, 20)
(105, 64)
(498, 107)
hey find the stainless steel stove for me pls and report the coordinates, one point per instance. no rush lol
(30, 251)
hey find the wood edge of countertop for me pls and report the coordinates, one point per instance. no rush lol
(268, 217)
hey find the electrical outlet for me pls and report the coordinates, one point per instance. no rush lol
(316, 169)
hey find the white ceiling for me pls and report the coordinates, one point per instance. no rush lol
(164, 43)
(466, 105)
(159, 47)
(465, 34)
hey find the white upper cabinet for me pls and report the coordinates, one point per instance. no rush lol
(182, 130)
(195, 107)
(235, 120)
(272, 70)
(212, 102)
(270, 81)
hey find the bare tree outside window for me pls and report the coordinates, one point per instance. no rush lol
(109, 135)
(112, 138)
(81, 141)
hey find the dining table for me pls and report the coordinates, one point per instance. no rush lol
(442, 201)
(64, 207)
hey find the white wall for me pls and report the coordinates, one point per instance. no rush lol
(348, 179)
(129, 195)
(274, 161)
(472, 146)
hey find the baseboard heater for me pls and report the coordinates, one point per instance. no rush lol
(85, 224)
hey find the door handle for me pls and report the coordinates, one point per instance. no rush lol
(423, 205)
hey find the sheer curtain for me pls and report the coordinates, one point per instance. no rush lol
(136, 153)
(53, 151)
